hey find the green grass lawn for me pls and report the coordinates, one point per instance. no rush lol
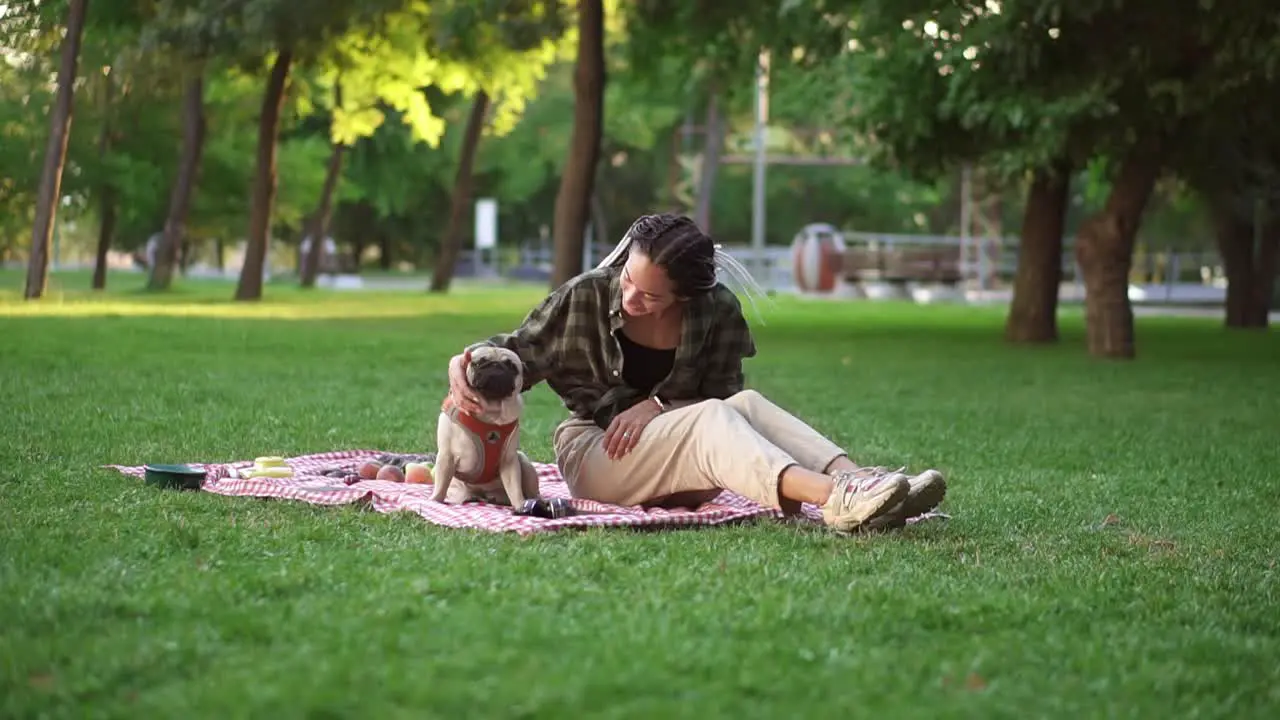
(1112, 551)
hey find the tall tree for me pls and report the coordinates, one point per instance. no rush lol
(194, 129)
(117, 68)
(1020, 85)
(319, 225)
(291, 38)
(390, 52)
(1033, 310)
(573, 201)
(1248, 240)
(107, 195)
(249, 286)
(500, 63)
(55, 153)
(1231, 158)
(451, 243)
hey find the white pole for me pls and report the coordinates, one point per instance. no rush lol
(758, 195)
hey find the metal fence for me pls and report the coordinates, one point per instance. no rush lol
(993, 265)
(986, 265)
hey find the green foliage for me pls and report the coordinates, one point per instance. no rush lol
(220, 205)
(250, 31)
(449, 47)
(392, 68)
(532, 155)
(637, 114)
(937, 83)
(390, 170)
(722, 41)
(384, 53)
(912, 87)
(860, 198)
(21, 143)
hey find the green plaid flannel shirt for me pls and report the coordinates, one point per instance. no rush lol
(568, 340)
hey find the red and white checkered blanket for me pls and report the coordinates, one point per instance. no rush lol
(308, 485)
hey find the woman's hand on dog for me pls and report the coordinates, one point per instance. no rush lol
(463, 396)
(624, 431)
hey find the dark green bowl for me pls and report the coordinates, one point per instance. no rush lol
(180, 477)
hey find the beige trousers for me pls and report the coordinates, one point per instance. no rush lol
(689, 454)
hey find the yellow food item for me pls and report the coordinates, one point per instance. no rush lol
(269, 461)
(273, 472)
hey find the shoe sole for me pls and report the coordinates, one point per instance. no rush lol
(928, 498)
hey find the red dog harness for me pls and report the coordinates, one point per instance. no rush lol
(490, 440)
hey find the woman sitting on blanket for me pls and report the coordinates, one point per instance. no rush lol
(646, 352)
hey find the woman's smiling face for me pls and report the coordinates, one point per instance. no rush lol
(646, 287)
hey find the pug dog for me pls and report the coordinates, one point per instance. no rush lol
(482, 452)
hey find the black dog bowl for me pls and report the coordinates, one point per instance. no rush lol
(179, 477)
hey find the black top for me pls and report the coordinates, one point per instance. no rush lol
(644, 367)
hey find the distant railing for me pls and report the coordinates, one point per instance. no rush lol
(927, 258)
(1002, 255)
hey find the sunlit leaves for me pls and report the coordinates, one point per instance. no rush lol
(350, 125)
(418, 46)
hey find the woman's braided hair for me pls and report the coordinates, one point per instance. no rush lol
(675, 244)
(689, 256)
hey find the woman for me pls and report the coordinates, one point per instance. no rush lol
(646, 352)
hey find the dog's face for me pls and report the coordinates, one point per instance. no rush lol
(496, 374)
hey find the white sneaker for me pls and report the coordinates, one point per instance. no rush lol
(863, 495)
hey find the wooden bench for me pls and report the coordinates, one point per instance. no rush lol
(899, 266)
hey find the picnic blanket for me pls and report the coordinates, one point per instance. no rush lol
(310, 486)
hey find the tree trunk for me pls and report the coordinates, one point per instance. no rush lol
(264, 181)
(175, 226)
(320, 224)
(106, 231)
(219, 251)
(106, 194)
(357, 252)
(384, 248)
(55, 154)
(1234, 237)
(1104, 249)
(1249, 256)
(669, 198)
(713, 141)
(599, 219)
(451, 243)
(1033, 313)
(365, 219)
(578, 178)
(1268, 264)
